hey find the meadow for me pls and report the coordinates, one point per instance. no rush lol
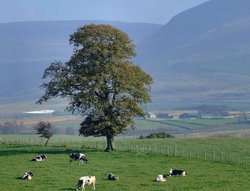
(137, 170)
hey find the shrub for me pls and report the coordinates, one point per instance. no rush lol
(158, 135)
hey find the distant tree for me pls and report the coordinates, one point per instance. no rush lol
(13, 127)
(44, 129)
(100, 82)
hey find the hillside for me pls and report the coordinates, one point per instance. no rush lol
(201, 55)
(27, 48)
(192, 23)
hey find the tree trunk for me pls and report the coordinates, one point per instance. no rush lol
(110, 139)
(46, 142)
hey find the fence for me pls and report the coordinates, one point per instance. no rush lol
(134, 145)
(176, 151)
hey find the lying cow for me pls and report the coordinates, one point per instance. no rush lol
(78, 157)
(113, 177)
(39, 158)
(177, 172)
(161, 178)
(89, 180)
(27, 176)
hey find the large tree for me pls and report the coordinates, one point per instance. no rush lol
(100, 82)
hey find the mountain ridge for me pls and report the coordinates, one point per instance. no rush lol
(210, 66)
(180, 28)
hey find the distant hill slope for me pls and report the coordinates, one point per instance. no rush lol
(201, 55)
(192, 23)
(27, 48)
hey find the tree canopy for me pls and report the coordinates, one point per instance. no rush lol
(100, 81)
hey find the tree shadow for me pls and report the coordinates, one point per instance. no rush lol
(31, 149)
(21, 151)
(68, 189)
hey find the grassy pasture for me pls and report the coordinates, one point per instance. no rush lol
(185, 126)
(182, 123)
(136, 171)
(223, 149)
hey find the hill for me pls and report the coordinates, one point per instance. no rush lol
(201, 55)
(192, 23)
(27, 48)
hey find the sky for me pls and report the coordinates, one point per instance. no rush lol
(139, 11)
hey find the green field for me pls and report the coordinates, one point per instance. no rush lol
(187, 126)
(137, 170)
(224, 149)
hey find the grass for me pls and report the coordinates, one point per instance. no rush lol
(136, 171)
(182, 123)
(240, 145)
(224, 149)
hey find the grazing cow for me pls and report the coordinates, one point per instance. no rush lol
(161, 178)
(177, 172)
(86, 180)
(39, 158)
(78, 157)
(27, 176)
(113, 177)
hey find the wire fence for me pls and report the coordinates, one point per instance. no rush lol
(176, 151)
(136, 146)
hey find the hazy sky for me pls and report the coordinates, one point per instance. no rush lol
(147, 11)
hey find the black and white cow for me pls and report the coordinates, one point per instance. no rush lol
(39, 158)
(112, 176)
(161, 178)
(176, 172)
(78, 157)
(27, 176)
(89, 180)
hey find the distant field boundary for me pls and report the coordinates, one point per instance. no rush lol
(140, 147)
